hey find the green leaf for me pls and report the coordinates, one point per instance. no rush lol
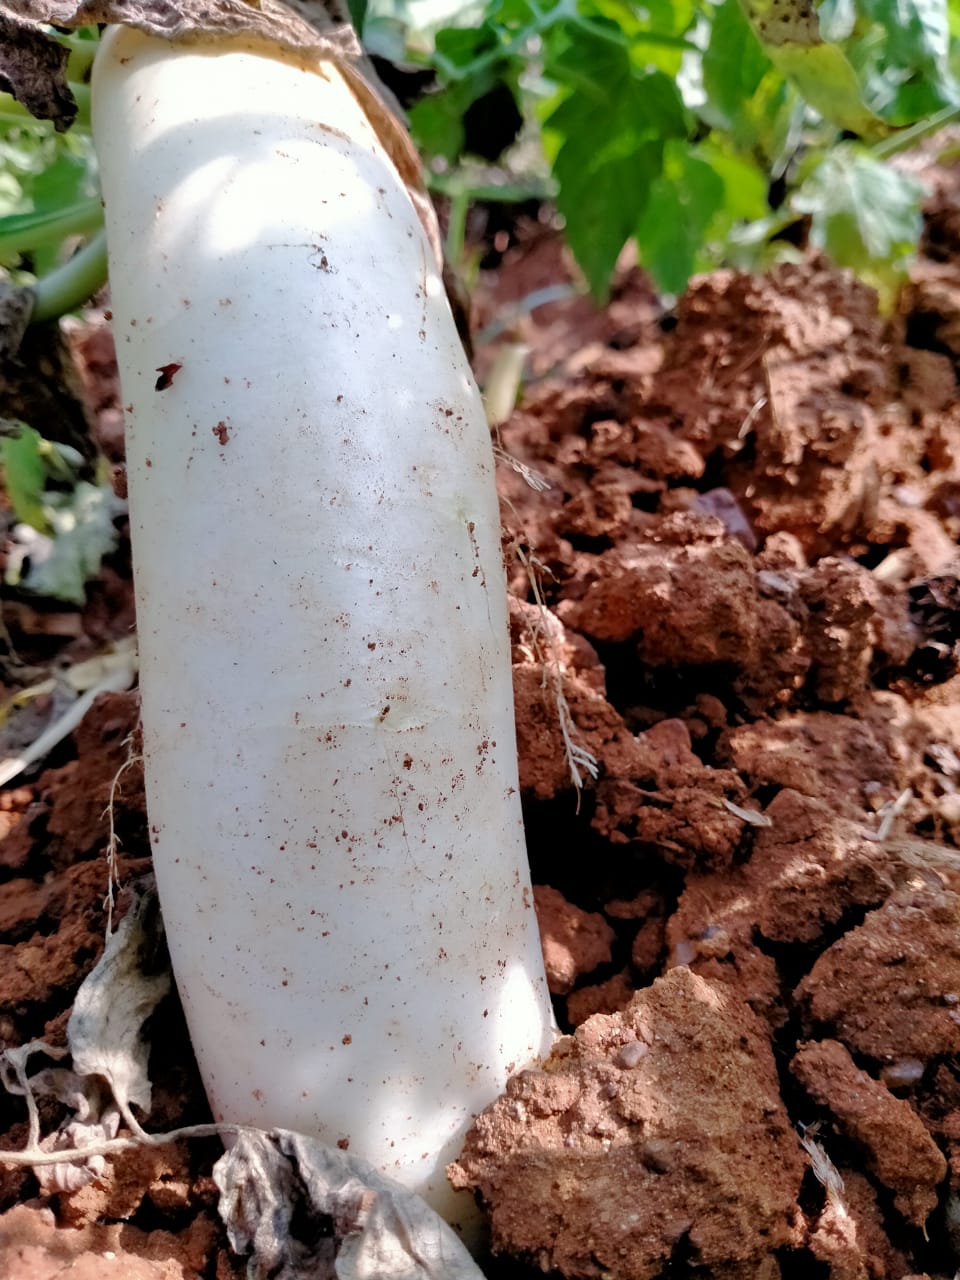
(461, 46)
(83, 533)
(663, 17)
(600, 66)
(605, 139)
(744, 184)
(917, 31)
(864, 214)
(64, 182)
(24, 476)
(683, 201)
(654, 33)
(827, 81)
(601, 203)
(790, 34)
(358, 13)
(520, 16)
(901, 54)
(612, 100)
(734, 64)
(436, 123)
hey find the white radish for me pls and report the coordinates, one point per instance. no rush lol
(327, 705)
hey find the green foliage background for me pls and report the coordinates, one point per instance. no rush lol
(699, 131)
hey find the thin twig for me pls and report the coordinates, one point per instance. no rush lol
(113, 844)
(578, 757)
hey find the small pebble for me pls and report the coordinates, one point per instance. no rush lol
(657, 1155)
(902, 1074)
(630, 1053)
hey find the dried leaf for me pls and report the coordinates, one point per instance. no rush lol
(115, 1000)
(94, 1119)
(751, 816)
(109, 1069)
(34, 67)
(305, 1209)
(327, 31)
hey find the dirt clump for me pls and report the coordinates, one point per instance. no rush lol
(849, 1236)
(859, 761)
(671, 802)
(608, 1159)
(809, 867)
(901, 1154)
(697, 603)
(604, 997)
(33, 1247)
(574, 941)
(890, 989)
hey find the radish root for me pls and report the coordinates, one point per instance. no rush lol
(113, 843)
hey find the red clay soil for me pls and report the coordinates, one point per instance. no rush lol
(749, 558)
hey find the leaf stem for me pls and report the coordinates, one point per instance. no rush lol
(510, 314)
(519, 192)
(21, 232)
(565, 11)
(82, 53)
(69, 286)
(457, 223)
(906, 138)
(83, 97)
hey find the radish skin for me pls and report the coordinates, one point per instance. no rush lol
(326, 696)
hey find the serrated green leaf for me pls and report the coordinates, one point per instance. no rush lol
(601, 202)
(654, 32)
(612, 99)
(665, 17)
(864, 214)
(592, 65)
(510, 13)
(605, 139)
(683, 201)
(24, 476)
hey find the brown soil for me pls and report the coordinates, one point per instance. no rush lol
(751, 919)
